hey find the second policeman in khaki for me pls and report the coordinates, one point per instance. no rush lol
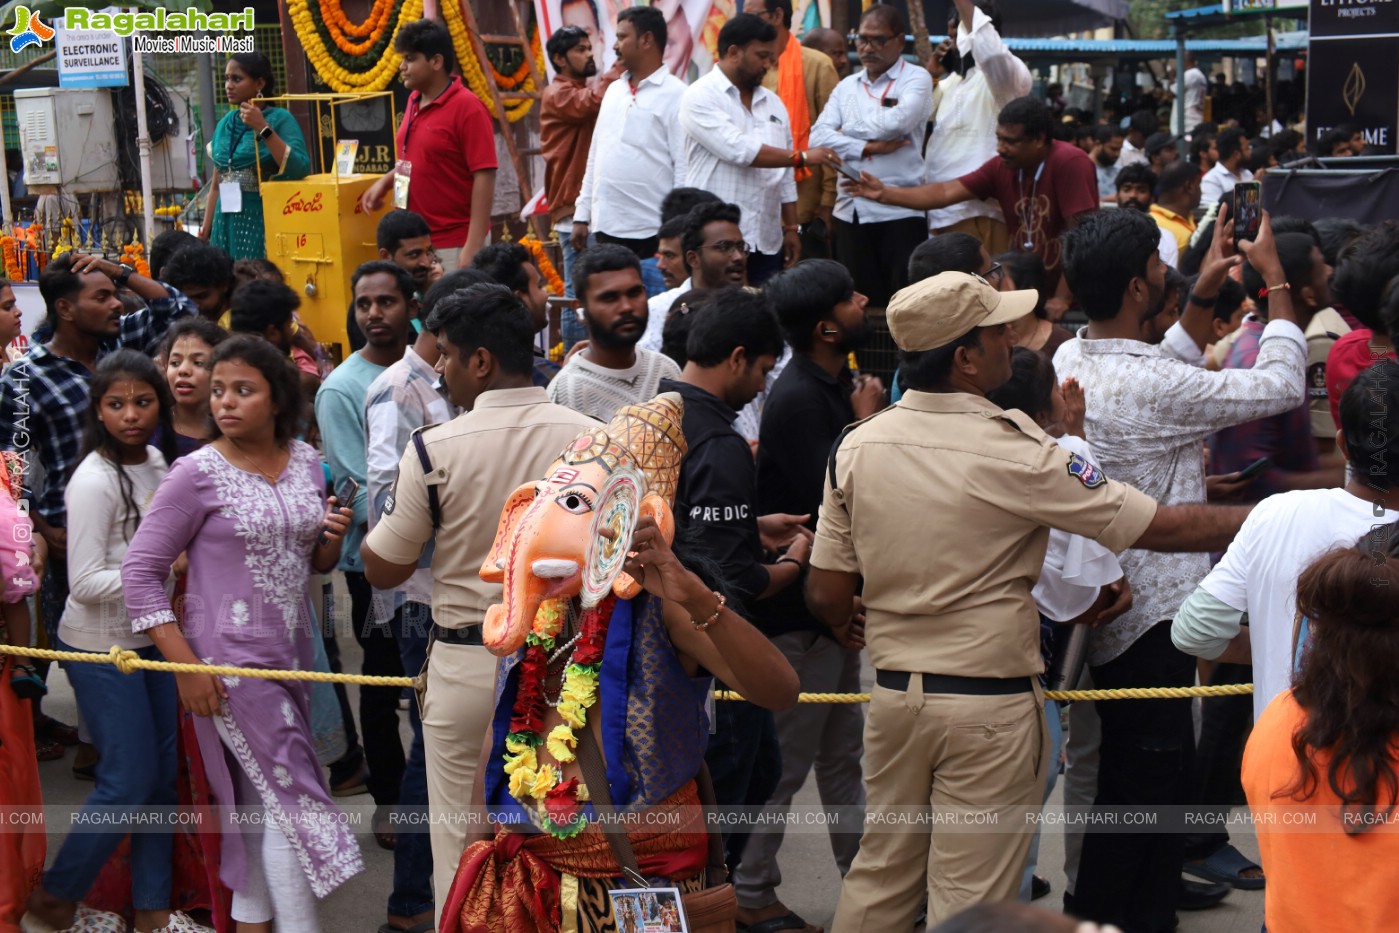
(943, 505)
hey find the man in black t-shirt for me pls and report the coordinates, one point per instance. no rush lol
(810, 404)
(734, 341)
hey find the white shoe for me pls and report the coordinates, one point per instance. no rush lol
(86, 920)
(180, 922)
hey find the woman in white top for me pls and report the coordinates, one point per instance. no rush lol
(1081, 581)
(133, 717)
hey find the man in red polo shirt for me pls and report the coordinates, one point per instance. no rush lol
(446, 148)
(1043, 186)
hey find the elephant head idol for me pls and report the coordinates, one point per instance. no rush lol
(550, 545)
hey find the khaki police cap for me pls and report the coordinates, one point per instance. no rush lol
(936, 311)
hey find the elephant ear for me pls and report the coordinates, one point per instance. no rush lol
(653, 505)
(493, 570)
(617, 510)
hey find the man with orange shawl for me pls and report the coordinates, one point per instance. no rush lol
(804, 79)
(607, 644)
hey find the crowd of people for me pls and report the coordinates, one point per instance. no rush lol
(707, 493)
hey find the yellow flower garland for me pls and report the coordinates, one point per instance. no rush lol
(338, 78)
(471, 68)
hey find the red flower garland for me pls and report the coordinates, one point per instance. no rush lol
(562, 804)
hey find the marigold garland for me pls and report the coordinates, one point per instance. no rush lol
(340, 77)
(557, 804)
(11, 256)
(475, 77)
(542, 263)
(339, 23)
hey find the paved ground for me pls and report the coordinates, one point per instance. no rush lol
(811, 884)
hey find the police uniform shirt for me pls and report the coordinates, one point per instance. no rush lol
(479, 458)
(718, 489)
(944, 504)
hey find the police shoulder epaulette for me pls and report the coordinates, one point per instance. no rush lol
(831, 459)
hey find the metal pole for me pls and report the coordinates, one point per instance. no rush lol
(207, 102)
(1268, 72)
(1180, 80)
(6, 213)
(143, 143)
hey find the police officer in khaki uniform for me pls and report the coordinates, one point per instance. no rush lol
(509, 434)
(943, 504)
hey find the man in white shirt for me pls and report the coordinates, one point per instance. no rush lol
(1258, 575)
(670, 259)
(739, 144)
(1141, 125)
(611, 371)
(875, 120)
(1148, 411)
(637, 154)
(1196, 86)
(1234, 150)
(1107, 148)
(1134, 186)
(964, 134)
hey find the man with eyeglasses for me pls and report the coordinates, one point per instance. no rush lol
(964, 134)
(875, 119)
(739, 144)
(1044, 187)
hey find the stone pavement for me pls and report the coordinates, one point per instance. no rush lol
(811, 883)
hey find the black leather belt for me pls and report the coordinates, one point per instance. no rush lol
(948, 683)
(467, 635)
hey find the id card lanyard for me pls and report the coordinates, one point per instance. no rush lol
(403, 168)
(1027, 210)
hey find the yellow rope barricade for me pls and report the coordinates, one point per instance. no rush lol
(128, 662)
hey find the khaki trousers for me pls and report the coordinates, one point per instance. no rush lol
(456, 712)
(978, 755)
(993, 234)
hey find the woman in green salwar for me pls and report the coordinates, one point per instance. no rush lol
(244, 137)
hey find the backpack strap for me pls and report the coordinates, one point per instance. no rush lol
(434, 504)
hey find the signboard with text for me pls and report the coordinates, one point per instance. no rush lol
(1353, 70)
(90, 58)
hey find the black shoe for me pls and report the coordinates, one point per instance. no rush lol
(1039, 887)
(1199, 895)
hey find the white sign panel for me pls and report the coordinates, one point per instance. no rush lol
(90, 58)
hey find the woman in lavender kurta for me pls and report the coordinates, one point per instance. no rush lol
(248, 509)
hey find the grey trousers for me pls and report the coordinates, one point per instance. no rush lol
(827, 736)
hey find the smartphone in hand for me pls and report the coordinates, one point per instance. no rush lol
(344, 499)
(851, 173)
(1248, 211)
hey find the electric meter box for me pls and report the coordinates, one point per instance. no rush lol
(67, 139)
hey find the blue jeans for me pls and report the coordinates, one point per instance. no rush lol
(412, 854)
(1056, 745)
(133, 719)
(572, 329)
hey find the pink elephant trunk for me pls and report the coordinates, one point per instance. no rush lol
(508, 622)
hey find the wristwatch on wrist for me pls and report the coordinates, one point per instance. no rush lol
(265, 133)
(122, 277)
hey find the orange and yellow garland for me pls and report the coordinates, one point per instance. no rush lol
(342, 30)
(475, 77)
(542, 263)
(11, 255)
(332, 73)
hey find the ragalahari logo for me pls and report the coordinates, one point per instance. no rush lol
(28, 30)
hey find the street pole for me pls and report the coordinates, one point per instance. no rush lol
(143, 144)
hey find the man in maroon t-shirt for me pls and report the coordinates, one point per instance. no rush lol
(446, 148)
(1042, 185)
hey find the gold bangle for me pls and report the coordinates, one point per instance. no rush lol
(701, 626)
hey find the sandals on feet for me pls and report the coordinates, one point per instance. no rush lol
(1227, 866)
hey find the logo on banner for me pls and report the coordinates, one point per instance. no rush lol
(1354, 88)
(28, 30)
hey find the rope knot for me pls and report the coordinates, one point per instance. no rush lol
(125, 660)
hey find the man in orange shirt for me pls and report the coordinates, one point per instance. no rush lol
(567, 114)
(804, 78)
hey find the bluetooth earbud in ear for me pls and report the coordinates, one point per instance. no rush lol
(829, 330)
(578, 313)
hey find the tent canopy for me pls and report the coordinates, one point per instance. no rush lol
(1058, 17)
